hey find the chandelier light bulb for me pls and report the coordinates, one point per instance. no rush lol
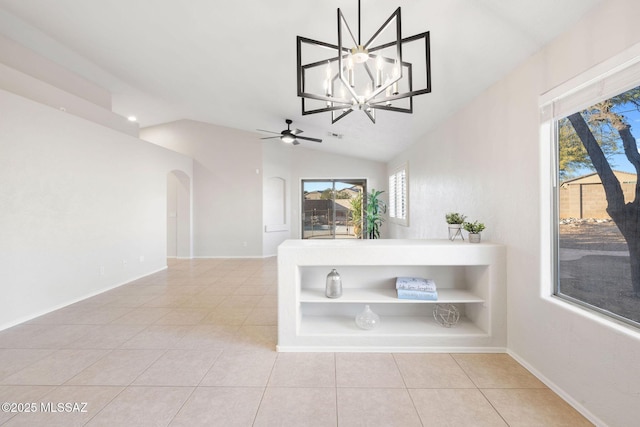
(350, 73)
(379, 65)
(396, 74)
(327, 83)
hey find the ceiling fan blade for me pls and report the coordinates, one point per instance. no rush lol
(309, 139)
(270, 137)
(296, 142)
(296, 131)
(267, 131)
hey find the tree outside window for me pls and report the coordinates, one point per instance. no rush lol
(599, 206)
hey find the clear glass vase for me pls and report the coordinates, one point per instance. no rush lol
(367, 319)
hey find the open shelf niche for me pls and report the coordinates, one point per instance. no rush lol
(471, 276)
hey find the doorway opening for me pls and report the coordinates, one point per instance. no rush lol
(178, 215)
(332, 208)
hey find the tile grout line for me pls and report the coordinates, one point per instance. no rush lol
(335, 381)
(415, 408)
(264, 391)
(494, 408)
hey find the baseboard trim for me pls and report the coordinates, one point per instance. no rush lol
(75, 300)
(232, 257)
(558, 390)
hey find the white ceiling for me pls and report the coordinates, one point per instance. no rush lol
(232, 63)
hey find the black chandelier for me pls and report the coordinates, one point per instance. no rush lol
(366, 77)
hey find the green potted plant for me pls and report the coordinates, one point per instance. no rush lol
(455, 221)
(373, 214)
(474, 229)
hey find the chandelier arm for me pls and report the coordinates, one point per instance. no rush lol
(371, 113)
(384, 26)
(335, 119)
(319, 43)
(325, 109)
(394, 109)
(323, 62)
(340, 15)
(346, 102)
(415, 37)
(380, 95)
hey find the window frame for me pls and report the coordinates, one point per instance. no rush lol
(363, 182)
(601, 82)
(393, 204)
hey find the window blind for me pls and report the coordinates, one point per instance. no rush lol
(605, 86)
(398, 194)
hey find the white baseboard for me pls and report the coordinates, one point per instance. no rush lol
(233, 257)
(559, 391)
(73, 301)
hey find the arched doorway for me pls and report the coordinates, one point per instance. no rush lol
(178, 215)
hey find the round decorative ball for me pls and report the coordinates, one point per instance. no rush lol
(446, 315)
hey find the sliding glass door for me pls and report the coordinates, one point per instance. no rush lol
(332, 208)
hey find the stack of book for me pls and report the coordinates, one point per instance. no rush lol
(416, 288)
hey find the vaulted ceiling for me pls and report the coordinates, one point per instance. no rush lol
(232, 63)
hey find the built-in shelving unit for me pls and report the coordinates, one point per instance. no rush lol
(471, 276)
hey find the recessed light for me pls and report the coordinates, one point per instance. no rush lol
(132, 118)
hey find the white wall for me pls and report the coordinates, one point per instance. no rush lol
(24, 73)
(227, 185)
(276, 165)
(484, 161)
(77, 201)
(26, 61)
(232, 203)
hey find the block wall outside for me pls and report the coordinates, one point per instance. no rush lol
(588, 200)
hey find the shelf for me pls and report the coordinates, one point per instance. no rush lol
(368, 295)
(397, 326)
(473, 277)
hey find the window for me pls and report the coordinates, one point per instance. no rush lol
(399, 196)
(332, 208)
(597, 195)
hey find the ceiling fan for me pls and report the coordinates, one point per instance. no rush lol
(289, 136)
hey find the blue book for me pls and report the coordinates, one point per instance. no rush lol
(415, 283)
(419, 295)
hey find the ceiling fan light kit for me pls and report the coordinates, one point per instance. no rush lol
(288, 135)
(385, 73)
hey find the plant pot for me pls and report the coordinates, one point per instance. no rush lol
(455, 230)
(474, 237)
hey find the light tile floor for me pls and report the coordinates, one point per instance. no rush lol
(194, 345)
